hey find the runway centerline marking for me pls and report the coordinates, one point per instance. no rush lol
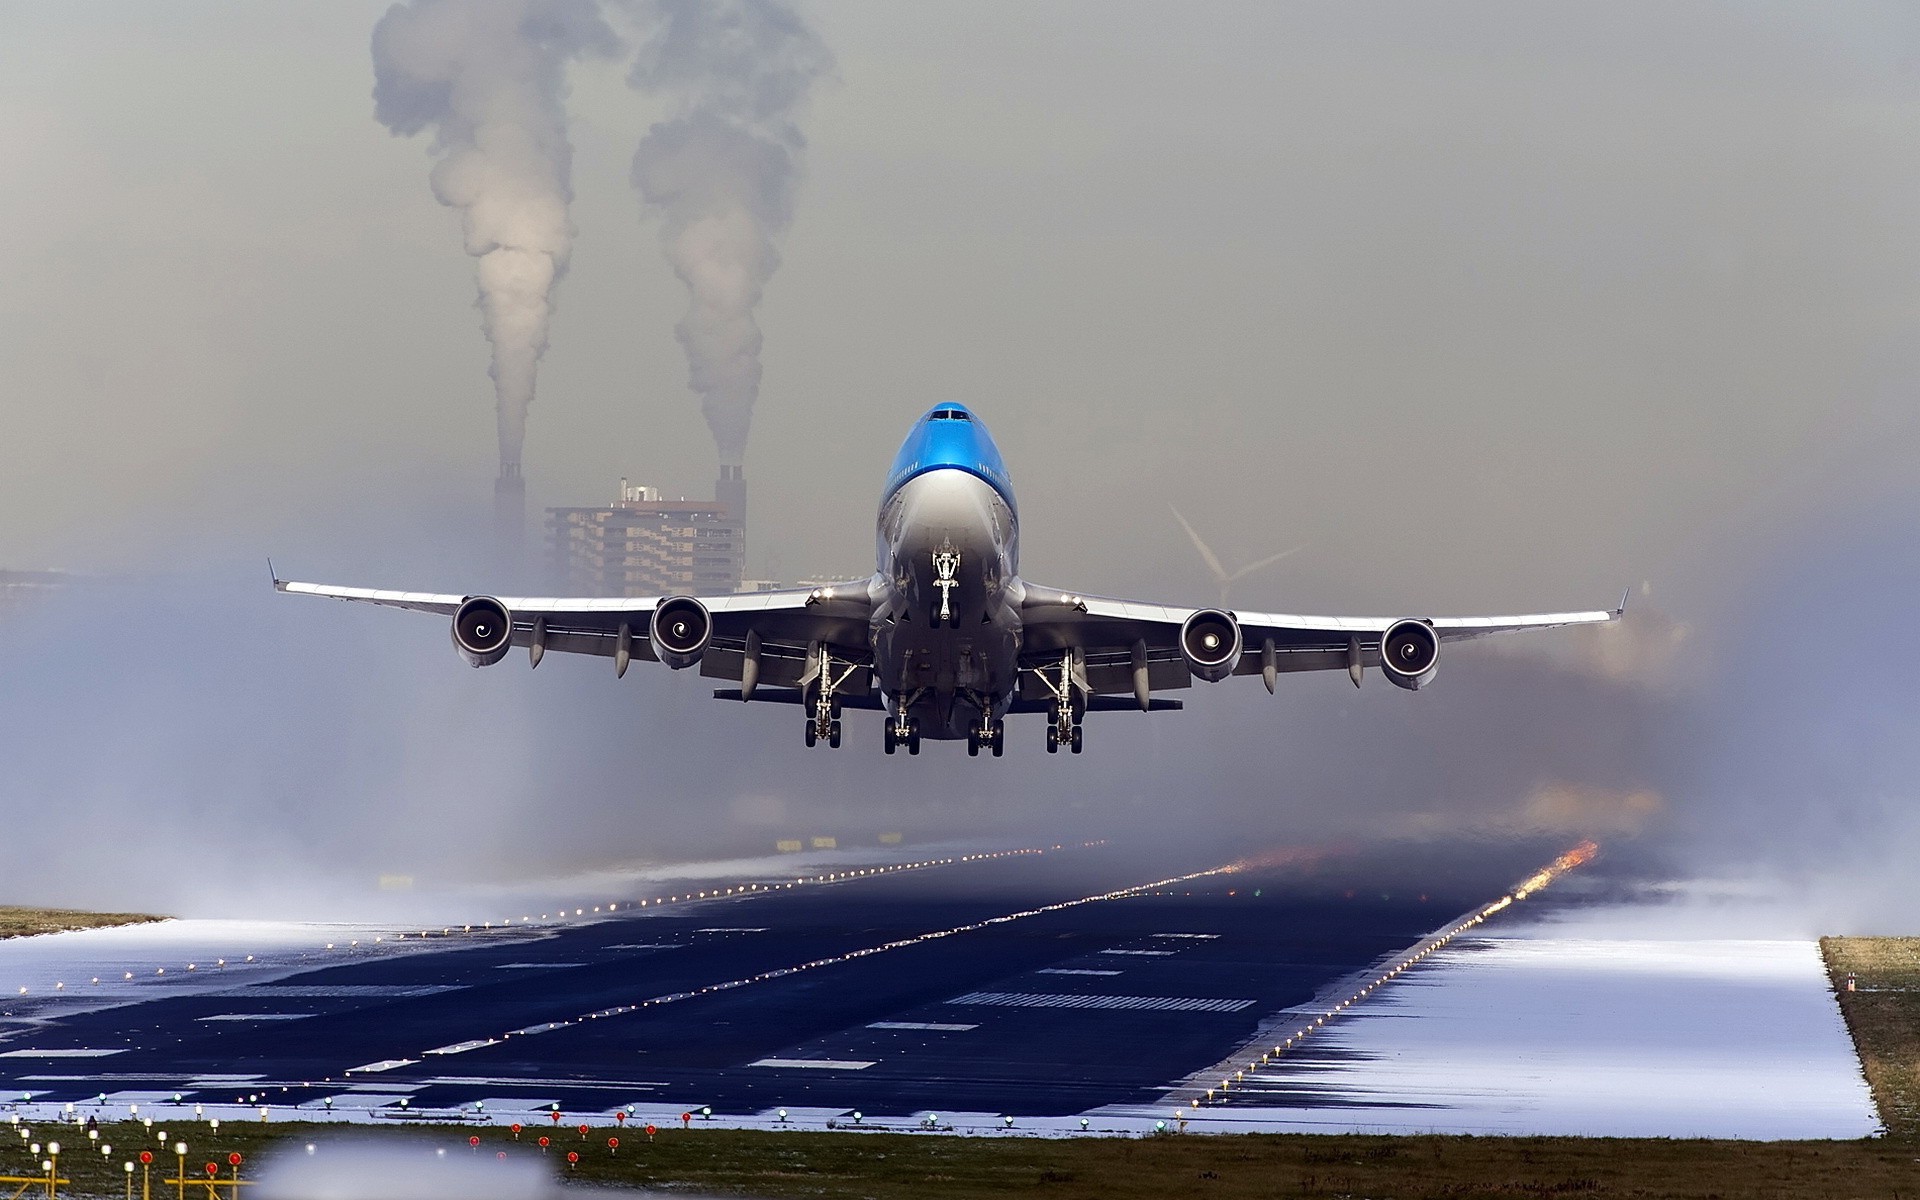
(851, 955)
(1073, 971)
(934, 1026)
(815, 1064)
(1131, 1003)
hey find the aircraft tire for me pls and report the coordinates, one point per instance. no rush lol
(973, 745)
(1053, 740)
(812, 735)
(1076, 739)
(891, 743)
(833, 735)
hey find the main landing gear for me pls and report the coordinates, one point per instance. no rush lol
(825, 674)
(1062, 680)
(991, 733)
(902, 730)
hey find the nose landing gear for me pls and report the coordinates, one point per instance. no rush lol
(946, 577)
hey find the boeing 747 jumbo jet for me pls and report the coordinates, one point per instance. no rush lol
(945, 638)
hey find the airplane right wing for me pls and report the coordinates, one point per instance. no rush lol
(1120, 646)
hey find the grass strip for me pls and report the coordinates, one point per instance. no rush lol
(25, 922)
(899, 1166)
(1883, 1015)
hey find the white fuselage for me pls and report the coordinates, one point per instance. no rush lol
(946, 633)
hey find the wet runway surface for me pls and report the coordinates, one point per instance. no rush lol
(1019, 985)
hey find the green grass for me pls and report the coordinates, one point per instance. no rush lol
(1884, 1018)
(23, 922)
(900, 1166)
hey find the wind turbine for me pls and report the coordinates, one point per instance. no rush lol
(1221, 576)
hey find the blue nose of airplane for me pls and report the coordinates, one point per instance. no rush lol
(950, 436)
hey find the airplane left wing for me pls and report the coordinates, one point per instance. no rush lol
(1124, 646)
(772, 631)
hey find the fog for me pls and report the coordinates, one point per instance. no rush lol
(1495, 310)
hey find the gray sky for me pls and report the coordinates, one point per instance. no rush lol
(1498, 307)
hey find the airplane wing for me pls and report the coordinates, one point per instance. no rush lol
(1124, 646)
(775, 629)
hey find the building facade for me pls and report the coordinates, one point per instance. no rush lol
(643, 545)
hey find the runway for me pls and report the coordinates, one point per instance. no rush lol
(1035, 984)
(1033, 990)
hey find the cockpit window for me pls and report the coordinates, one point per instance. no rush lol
(948, 414)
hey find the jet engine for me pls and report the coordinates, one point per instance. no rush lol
(681, 629)
(482, 630)
(1210, 642)
(1409, 654)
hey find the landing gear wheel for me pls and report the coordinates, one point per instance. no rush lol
(999, 739)
(833, 735)
(1076, 739)
(1053, 740)
(892, 743)
(812, 735)
(913, 736)
(973, 744)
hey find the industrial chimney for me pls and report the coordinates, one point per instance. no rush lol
(510, 511)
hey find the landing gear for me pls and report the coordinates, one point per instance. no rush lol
(1064, 680)
(902, 730)
(946, 577)
(990, 733)
(825, 675)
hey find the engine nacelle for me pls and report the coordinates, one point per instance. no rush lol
(1409, 654)
(1210, 642)
(482, 630)
(681, 629)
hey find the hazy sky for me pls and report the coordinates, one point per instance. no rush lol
(1497, 306)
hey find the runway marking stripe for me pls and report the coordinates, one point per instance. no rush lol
(733, 929)
(542, 966)
(646, 946)
(1071, 971)
(1202, 936)
(258, 1017)
(463, 1047)
(814, 1064)
(60, 1053)
(385, 1064)
(935, 1026)
(1139, 1003)
(343, 991)
(1143, 953)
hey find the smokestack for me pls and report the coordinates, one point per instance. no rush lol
(731, 490)
(510, 511)
(488, 77)
(721, 175)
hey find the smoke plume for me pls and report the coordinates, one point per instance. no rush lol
(722, 175)
(489, 78)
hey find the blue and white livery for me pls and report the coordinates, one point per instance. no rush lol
(945, 639)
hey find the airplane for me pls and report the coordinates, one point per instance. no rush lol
(945, 637)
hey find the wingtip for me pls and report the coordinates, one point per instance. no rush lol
(1622, 610)
(279, 584)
